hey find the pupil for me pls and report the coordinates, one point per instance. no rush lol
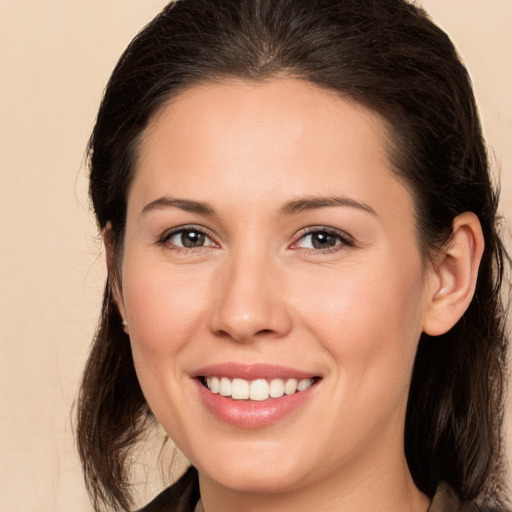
(192, 239)
(323, 240)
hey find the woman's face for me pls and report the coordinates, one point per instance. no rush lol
(269, 250)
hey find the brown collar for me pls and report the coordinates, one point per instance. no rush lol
(445, 500)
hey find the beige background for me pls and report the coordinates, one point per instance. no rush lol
(55, 58)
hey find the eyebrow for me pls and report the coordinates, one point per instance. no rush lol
(290, 208)
(314, 203)
(183, 204)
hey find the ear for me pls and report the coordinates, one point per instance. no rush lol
(455, 274)
(113, 272)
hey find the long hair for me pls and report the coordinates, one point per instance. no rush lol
(390, 57)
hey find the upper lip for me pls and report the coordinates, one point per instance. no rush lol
(247, 371)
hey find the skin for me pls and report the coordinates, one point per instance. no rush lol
(259, 292)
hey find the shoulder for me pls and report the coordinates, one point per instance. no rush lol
(446, 500)
(180, 497)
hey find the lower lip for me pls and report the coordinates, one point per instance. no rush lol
(252, 414)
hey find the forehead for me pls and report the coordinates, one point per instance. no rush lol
(252, 111)
(263, 141)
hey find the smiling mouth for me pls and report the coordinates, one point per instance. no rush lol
(257, 390)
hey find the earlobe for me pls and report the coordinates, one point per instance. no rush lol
(113, 274)
(456, 272)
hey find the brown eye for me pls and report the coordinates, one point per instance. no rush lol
(322, 239)
(190, 238)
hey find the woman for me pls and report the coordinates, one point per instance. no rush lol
(304, 267)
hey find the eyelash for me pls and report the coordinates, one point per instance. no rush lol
(165, 238)
(343, 239)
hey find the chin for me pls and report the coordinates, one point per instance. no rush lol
(258, 480)
(251, 472)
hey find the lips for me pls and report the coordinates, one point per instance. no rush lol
(253, 396)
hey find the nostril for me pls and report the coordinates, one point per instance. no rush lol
(264, 331)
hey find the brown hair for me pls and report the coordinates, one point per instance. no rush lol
(390, 57)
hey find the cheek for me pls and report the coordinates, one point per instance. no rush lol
(163, 306)
(368, 317)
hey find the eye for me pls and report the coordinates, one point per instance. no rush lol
(188, 238)
(322, 239)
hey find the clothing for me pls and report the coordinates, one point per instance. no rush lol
(180, 497)
(445, 500)
(183, 496)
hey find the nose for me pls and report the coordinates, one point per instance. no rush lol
(251, 301)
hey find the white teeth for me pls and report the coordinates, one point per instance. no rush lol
(290, 387)
(276, 388)
(225, 387)
(304, 384)
(240, 389)
(257, 390)
(214, 384)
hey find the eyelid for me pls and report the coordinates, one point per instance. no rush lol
(345, 238)
(166, 235)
